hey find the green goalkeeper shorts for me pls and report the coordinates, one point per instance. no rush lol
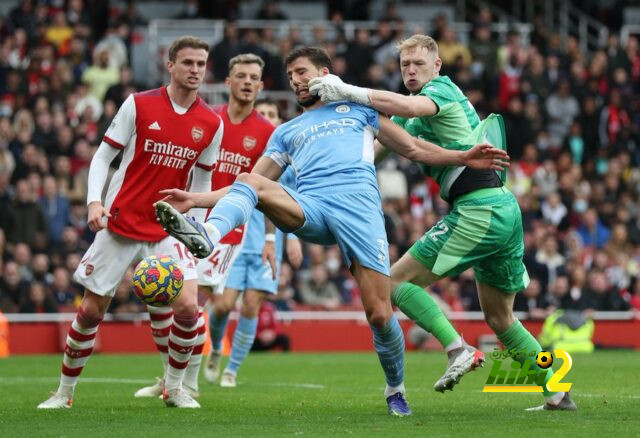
(483, 231)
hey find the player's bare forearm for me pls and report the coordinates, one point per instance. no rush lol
(268, 168)
(380, 152)
(396, 104)
(397, 139)
(208, 199)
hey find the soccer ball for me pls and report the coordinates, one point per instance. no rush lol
(544, 359)
(157, 280)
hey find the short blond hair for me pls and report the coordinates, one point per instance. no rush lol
(187, 41)
(417, 41)
(246, 58)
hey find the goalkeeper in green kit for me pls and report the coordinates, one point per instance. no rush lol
(483, 229)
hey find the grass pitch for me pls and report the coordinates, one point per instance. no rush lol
(317, 395)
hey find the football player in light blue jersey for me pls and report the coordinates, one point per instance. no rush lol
(331, 150)
(253, 276)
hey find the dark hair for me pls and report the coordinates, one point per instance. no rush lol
(317, 55)
(267, 101)
(184, 42)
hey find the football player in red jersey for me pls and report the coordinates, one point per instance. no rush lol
(245, 137)
(163, 133)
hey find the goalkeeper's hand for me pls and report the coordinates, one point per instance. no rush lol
(330, 88)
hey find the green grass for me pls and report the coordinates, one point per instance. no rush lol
(315, 394)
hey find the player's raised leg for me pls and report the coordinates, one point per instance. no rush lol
(406, 274)
(232, 210)
(388, 338)
(78, 348)
(497, 307)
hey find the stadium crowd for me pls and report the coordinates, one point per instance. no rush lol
(572, 120)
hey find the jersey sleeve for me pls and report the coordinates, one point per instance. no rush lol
(373, 119)
(440, 92)
(123, 125)
(276, 149)
(210, 153)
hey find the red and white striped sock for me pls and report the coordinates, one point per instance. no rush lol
(191, 374)
(182, 339)
(161, 320)
(80, 341)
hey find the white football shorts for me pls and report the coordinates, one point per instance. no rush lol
(213, 271)
(107, 259)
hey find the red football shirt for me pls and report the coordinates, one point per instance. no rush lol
(242, 145)
(160, 148)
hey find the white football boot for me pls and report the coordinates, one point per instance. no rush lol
(179, 398)
(57, 401)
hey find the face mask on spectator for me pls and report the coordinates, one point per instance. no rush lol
(5, 111)
(580, 205)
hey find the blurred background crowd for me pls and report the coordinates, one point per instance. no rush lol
(571, 116)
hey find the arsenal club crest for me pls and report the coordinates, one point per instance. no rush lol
(196, 133)
(249, 142)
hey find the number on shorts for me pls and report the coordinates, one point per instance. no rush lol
(183, 254)
(214, 259)
(441, 228)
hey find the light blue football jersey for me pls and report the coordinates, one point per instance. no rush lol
(329, 148)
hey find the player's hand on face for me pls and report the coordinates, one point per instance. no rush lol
(269, 256)
(179, 199)
(294, 252)
(329, 88)
(95, 215)
(485, 156)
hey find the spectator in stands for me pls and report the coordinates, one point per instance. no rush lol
(59, 33)
(531, 301)
(101, 75)
(124, 300)
(38, 300)
(269, 333)
(40, 269)
(318, 291)
(270, 11)
(55, 208)
(592, 231)
(26, 222)
(562, 108)
(227, 48)
(600, 295)
(12, 288)
(451, 50)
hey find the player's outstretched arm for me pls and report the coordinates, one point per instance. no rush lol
(482, 156)
(330, 88)
(183, 201)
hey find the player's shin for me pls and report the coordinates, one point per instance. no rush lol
(193, 369)
(518, 338)
(161, 319)
(79, 346)
(243, 339)
(217, 328)
(182, 339)
(233, 210)
(389, 344)
(418, 305)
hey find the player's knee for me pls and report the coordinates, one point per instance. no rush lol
(499, 321)
(185, 308)
(92, 309)
(379, 315)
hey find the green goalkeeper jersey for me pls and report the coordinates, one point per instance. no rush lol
(455, 126)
